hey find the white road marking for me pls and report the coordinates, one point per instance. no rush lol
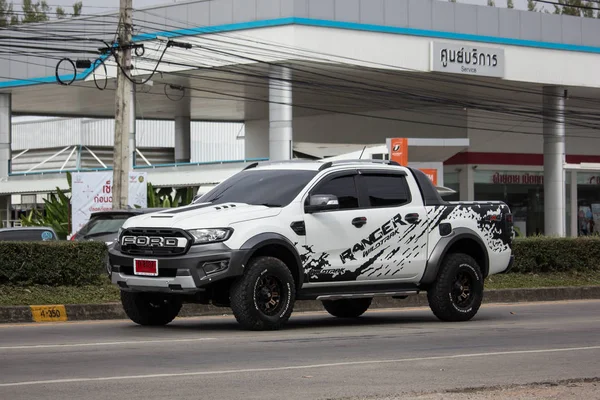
(297, 367)
(50, 346)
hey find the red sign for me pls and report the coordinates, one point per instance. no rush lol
(517, 179)
(399, 151)
(431, 173)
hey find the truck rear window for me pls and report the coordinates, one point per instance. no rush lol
(25, 235)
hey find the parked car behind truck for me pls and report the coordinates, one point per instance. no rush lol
(340, 232)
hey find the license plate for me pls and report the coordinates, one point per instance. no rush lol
(145, 267)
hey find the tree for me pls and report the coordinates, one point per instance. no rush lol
(37, 12)
(7, 15)
(77, 9)
(531, 5)
(60, 13)
(590, 12)
(491, 3)
(56, 212)
(510, 4)
(34, 12)
(574, 7)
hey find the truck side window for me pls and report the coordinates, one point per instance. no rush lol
(344, 188)
(387, 190)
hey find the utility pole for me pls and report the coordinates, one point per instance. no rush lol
(123, 110)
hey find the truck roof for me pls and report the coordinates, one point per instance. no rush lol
(317, 165)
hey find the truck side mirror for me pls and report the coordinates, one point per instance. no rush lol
(321, 202)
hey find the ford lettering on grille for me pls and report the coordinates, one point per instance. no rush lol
(149, 241)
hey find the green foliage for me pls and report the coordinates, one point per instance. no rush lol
(77, 9)
(33, 12)
(37, 12)
(7, 15)
(60, 13)
(57, 208)
(164, 197)
(579, 8)
(544, 254)
(532, 5)
(52, 263)
(510, 4)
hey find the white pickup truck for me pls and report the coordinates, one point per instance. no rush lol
(339, 232)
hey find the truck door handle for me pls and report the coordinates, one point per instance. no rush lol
(411, 218)
(360, 221)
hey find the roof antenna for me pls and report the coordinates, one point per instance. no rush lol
(363, 152)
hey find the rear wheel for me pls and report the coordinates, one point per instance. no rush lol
(263, 298)
(458, 291)
(152, 309)
(347, 308)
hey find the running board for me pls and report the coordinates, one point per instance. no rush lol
(341, 296)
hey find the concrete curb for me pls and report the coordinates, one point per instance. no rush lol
(86, 312)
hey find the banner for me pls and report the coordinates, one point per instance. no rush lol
(92, 192)
(399, 151)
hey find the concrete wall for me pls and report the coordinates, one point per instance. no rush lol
(374, 129)
(415, 14)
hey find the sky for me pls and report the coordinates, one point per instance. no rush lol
(100, 6)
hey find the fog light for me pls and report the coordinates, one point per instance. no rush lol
(215, 266)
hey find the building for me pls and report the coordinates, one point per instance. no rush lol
(502, 101)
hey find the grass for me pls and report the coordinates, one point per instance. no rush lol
(550, 279)
(108, 293)
(39, 295)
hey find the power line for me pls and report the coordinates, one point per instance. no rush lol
(286, 50)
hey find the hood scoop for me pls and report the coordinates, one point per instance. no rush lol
(225, 207)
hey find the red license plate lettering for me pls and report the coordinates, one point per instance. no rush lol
(145, 267)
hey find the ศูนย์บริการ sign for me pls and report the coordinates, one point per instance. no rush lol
(467, 60)
(92, 192)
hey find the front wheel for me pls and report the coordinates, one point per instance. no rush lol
(347, 308)
(263, 298)
(458, 291)
(152, 309)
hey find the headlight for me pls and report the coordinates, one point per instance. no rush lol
(210, 235)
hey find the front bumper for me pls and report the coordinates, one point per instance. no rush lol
(178, 274)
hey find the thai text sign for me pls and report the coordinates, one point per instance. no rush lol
(92, 192)
(467, 60)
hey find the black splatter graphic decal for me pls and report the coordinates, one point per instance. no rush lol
(396, 244)
(487, 218)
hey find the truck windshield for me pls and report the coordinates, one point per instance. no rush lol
(272, 188)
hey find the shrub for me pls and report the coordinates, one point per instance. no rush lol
(546, 254)
(52, 263)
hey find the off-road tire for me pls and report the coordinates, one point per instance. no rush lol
(347, 308)
(266, 279)
(153, 309)
(447, 305)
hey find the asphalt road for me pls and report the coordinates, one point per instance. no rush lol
(315, 357)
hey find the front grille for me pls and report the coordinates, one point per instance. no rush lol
(147, 250)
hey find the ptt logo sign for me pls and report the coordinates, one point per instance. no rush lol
(399, 150)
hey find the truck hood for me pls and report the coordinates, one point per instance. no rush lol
(204, 215)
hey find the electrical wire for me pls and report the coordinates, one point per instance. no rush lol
(264, 77)
(294, 52)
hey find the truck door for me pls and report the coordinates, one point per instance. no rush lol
(394, 243)
(330, 233)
